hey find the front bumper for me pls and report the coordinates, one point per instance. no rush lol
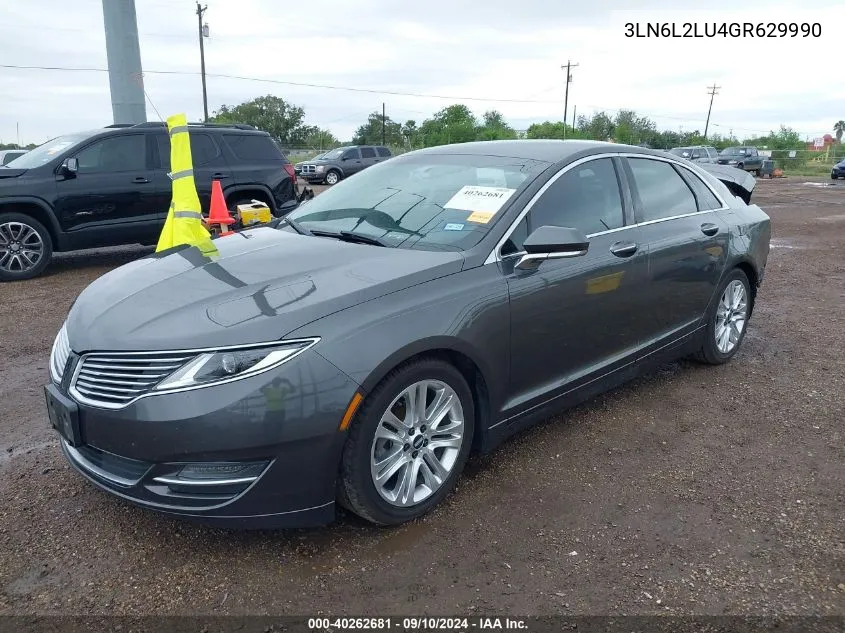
(837, 173)
(137, 452)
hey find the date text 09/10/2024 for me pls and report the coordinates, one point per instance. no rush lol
(722, 29)
(458, 624)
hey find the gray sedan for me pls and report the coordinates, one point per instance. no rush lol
(359, 350)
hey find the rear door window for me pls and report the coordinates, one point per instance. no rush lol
(662, 191)
(368, 152)
(204, 150)
(705, 198)
(383, 152)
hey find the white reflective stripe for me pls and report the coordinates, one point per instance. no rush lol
(187, 214)
(176, 175)
(178, 129)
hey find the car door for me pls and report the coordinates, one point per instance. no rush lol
(696, 155)
(110, 199)
(368, 157)
(686, 239)
(573, 319)
(208, 162)
(350, 161)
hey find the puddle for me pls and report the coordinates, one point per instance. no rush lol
(819, 184)
(833, 218)
(782, 243)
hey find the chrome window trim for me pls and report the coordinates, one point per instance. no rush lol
(80, 398)
(496, 256)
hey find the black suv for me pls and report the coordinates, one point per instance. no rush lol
(342, 163)
(111, 186)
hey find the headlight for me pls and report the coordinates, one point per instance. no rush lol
(224, 365)
(321, 168)
(59, 354)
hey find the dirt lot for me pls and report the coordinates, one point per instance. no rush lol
(695, 490)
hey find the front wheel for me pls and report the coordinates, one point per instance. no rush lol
(25, 247)
(332, 177)
(727, 320)
(408, 443)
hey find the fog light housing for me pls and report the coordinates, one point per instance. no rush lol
(216, 472)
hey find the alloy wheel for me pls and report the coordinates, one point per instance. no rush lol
(21, 247)
(731, 316)
(331, 178)
(417, 443)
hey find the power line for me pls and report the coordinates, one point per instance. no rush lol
(286, 83)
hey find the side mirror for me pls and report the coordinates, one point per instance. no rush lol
(552, 242)
(70, 166)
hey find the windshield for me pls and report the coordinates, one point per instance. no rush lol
(733, 151)
(332, 155)
(45, 153)
(425, 201)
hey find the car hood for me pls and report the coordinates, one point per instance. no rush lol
(263, 284)
(8, 172)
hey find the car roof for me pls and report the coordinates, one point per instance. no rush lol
(551, 151)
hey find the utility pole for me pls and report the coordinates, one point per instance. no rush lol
(712, 92)
(382, 123)
(203, 32)
(569, 66)
(574, 112)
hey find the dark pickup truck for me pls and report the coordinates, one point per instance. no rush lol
(747, 158)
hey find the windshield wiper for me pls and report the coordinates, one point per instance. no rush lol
(296, 226)
(349, 236)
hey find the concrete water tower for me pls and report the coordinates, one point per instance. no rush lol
(124, 58)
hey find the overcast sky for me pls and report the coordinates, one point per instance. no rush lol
(490, 50)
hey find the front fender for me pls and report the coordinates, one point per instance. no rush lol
(52, 221)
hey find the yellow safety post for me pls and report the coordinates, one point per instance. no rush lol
(184, 219)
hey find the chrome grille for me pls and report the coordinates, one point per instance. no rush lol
(308, 169)
(59, 355)
(112, 380)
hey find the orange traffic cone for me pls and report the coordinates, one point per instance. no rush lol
(219, 214)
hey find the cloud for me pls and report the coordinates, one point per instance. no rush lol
(442, 47)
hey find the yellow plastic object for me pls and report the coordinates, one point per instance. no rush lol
(184, 219)
(254, 213)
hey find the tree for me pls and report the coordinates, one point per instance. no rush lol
(452, 124)
(321, 139)
(494, 127)
(409, 133)
(370, 132)
(282, 120)
(839, 128)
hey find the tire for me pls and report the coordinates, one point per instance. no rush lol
(21, 238)
(357, 487)
(332, 177)
(757, 173)
(833, 177)
(710, 351)
(740, 166)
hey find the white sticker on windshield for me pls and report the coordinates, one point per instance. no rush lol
(478, 198)
(58, 147)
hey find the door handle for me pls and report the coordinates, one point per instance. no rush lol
(218, 176)
(140, 180)
(709, 229)
(623, 249)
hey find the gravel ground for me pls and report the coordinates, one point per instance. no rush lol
(695, 490)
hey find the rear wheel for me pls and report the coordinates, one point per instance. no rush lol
(408, 443)
(25, 247)
(727, 320)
